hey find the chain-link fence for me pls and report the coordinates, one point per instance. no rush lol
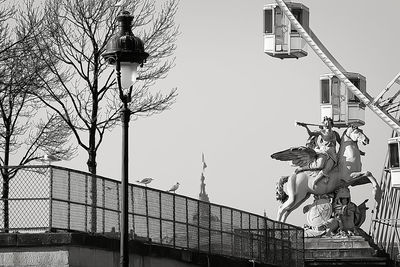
(54, 198)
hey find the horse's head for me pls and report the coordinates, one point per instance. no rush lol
(356, 134)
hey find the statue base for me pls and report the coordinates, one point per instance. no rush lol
(341, 251)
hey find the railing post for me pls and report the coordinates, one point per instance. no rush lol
(258, 240)
(69, 200)
(209, 228)
(251, 239)
(51, 199)
(119, 208)
(302, 249)
(147, 213)
(198, 225)
(241, 234)
(86, 202)
(232, 235)
(103, 184)
(174, 218)
(160, 199)
(282, 244)
(133, 212)
(220, 228)
(187, 223)
(275, 245)
(266, 238)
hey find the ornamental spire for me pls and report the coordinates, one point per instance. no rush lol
(203, 195)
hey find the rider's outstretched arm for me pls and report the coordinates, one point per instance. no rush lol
(310, 133)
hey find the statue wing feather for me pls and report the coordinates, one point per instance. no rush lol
(299, 156)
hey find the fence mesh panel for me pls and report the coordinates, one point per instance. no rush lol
(55, 198)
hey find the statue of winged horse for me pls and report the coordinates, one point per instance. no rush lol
(346, 173)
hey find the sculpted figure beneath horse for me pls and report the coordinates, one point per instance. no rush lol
(334, 215)
(305, 182)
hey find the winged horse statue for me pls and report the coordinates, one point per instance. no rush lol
(347, 172)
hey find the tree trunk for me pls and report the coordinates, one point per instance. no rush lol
(5, 199)
(92, 165)
(6, 180)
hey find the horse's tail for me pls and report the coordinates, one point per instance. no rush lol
(280, 193)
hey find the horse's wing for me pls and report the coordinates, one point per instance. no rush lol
(300, 156)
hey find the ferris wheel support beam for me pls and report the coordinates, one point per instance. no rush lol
(326, 51)
(396, 79)
(330, 62)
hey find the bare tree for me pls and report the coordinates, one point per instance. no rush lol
(74, 37)
(24, 132)
(76, 34)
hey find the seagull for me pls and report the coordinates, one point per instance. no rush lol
(145, 181)
(174, 188)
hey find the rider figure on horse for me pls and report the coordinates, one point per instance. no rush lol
(325, 145)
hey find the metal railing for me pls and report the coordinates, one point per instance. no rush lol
(388, 228)
(385, 223)
(49, 198)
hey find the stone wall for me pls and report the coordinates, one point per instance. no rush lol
(85, 250)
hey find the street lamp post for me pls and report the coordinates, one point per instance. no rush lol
(126, 52)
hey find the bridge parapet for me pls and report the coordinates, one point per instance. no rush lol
(51, 198)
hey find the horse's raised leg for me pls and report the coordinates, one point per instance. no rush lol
(295, 206)
(296, 196)
(291, 197)
(356, 178)
(284, 208)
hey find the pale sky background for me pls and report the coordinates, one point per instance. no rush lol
(238, 105)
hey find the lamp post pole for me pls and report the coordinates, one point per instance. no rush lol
(126, 52)
(125, 118)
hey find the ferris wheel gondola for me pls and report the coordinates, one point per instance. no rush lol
(339, 103)
(337, 70)
(280, 39)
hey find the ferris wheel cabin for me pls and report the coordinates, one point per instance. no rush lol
(281, 40)
(339, 103)
(394, 161)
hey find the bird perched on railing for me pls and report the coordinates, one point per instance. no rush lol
(145, 181)
(174, 188)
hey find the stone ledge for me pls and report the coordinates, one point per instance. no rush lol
(38, 242)
(335, 242)
(355, 262)
(58, 258)
(338, 251)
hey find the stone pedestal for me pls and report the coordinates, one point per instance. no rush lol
(341, 251)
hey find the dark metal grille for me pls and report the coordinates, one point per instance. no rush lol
(54, 198)
(384, 228)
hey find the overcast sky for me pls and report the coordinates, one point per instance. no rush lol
(238, 105)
